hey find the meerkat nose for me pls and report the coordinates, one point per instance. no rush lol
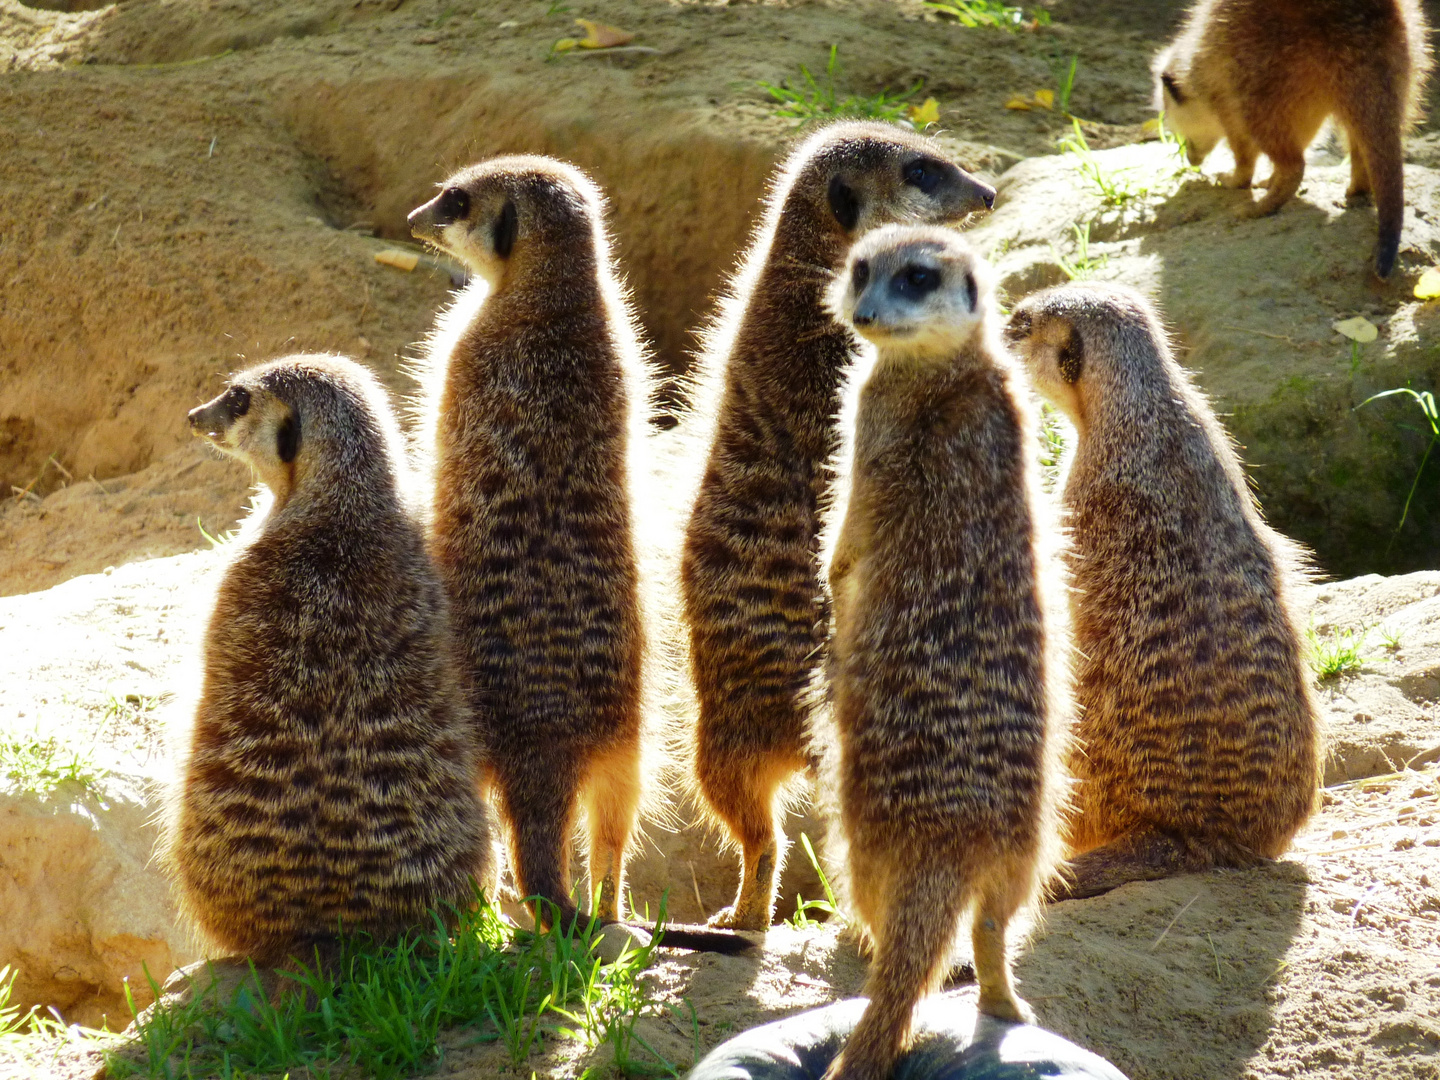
(988, 195)
(863, 318)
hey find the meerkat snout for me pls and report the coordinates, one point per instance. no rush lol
(913, 287)
(213, 418)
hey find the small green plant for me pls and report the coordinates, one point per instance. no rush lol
(1391, 639)
(812, 100)
(1426, 400)
(1083, 266)
(1114, 188)
(1054, 439)
(380, 1009)
(989, 13)
(828, 907)
(40, 764)
(1340, 653)
(1354, 358)
(1065, 83)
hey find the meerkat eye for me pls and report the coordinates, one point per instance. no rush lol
(238, 401)
(860, 275)
(915, 282)
(454, 204)
(923, 173)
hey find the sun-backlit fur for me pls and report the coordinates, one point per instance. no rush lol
(753, 473)
(1266, 73)
(949, 703)
(332, 773)
(1198, 743)
(536, 393)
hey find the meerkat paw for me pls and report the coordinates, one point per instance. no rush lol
(1236, 180)
(1357, 197)
(1006, 1007)
(730, 919)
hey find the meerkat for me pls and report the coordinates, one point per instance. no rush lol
(1197, 744)
(760, 439)
(948, 693)
(1265, 74)
(537, 404)
(332, 778)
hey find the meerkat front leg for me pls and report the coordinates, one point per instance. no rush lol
(1243, 175)
(1289, 171)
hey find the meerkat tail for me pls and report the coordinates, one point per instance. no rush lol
(1385, 162)
(912, 949)
(1145, 855)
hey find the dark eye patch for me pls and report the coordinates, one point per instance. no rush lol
(972, 291)
(454, 204)
(1173, 87)
(924, 173)
(860, 275)
(507, 228)
(916, 282)
(1072, 358)
(844, 203)
(287, 438)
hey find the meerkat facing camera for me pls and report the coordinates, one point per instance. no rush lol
(1198, 743)
(948, 695)
(332, 779)
(1265, 74)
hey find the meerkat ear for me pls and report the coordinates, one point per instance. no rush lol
(287, 438)
(972, 292)
(507, 227)
(1072, 357)
(844, 203)
(1173, 86)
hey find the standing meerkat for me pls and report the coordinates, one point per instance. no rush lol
(1197, 743)
(761, 436)
(1265, 74)
(537, 400)
(949, 700)
(332, 777)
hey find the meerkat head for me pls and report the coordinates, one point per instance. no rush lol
(1086, 339)
(287, 417)
(1186, 113)
(488, 214)
(918, 290)
(862, 175)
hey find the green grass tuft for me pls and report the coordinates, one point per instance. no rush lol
(380, 1010)
(828, 907)
(1340, 653)
(1114, 186)
(992, 13)
(1426, 401)
(813, 100)
(1083, 266)
(40, 764)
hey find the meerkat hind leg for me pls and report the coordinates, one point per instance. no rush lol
(612, 804)
(996, 906)
(744, 798)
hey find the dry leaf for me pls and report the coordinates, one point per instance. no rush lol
(565, 44)
(600, 36)
(1428, 287)
(1018, 102)
(1358, 329)
(1045, 98)
(926, 113)
(401, 260)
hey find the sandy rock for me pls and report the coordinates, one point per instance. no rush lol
(1251, 303)
(84, 908)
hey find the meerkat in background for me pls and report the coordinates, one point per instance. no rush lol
(949, 699)
(1198, 744)
(760, 437)
(537, 401)
(332, 778)
(1265, 74)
